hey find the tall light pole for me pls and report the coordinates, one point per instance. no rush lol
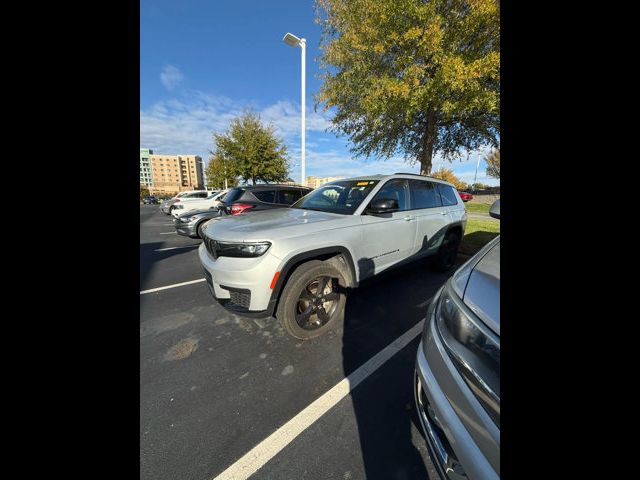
(294, 41)
(476, 175)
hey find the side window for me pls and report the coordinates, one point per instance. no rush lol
(448, 195)
(397, 189)
(288, 197)
(425, 194)
(202, 195)
(268, 196)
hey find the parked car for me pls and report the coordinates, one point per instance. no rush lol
(457, 379)
(465, 196)
(260, 197)
(148, 200)
(212, 201)
(192, 223)
(299, 262)
(167, 206)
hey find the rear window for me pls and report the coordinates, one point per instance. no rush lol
(268, 196)
(425, 194)
(448, 195)
(233, 195)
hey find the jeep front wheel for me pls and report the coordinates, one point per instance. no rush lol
(312, 301)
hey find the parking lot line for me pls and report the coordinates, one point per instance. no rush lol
(172, 286)
(173, 248)
(259, 455)
(168, 233)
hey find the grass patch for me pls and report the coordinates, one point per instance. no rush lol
(477, 234)
(477, 207)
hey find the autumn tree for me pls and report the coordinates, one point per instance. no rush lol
(412, 76)
(252, 150)
(448, 176)
(220, 170)
(144, 191)
(493, 164)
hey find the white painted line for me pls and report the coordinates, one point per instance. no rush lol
(274, 443)
(168, 233)
(173, 248)
(168, 224)
(172, 286)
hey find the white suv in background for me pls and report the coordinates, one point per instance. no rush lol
(188, 204)
(167, 207)
(298, 263)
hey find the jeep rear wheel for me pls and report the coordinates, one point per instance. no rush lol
(448, 252)
(312, 301)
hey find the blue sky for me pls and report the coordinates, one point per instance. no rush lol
(204, 62)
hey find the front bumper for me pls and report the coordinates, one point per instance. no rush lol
(241, 285)
(462, 439)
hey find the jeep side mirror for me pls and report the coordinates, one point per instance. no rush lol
(383, 205)
(494, 211)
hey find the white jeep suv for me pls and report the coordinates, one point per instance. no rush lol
(298, 263)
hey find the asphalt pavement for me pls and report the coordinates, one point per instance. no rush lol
(214, 385)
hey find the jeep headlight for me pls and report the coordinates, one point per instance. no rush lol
(224, 249)
(474, 349)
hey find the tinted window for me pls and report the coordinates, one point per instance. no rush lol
(448, 195)
(201, 195)
(268, 196)
(289, 197)
(233, 195)
(425, 194)
(397, 190)
(338, 197)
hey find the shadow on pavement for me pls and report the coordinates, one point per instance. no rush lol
(377, 313)
(148, 256)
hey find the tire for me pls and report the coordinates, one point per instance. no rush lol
(199, 232)
(301, 309)
(446, 256)
(170, 210)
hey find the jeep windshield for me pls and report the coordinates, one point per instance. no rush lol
(337, 197)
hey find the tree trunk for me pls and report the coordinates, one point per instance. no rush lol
(428, 142)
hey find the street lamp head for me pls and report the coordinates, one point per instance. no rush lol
(291, 40)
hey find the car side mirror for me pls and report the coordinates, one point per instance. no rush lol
(494, 211)
(383, 205)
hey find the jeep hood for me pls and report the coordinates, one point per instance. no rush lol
(274, 224)
(479, 282)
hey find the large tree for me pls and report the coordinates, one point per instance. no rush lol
(252, 150)
(419, 77)
(218, 170)
(493, 164)
(447, 175)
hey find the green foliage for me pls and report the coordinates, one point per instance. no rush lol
(481, 186)
(217, 170)
(448, 176)
(412, 76)
(144, 191)
(493, 164)
(252, 151)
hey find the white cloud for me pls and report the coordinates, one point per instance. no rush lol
(171, 77)
(186, 124)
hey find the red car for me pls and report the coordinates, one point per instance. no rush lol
(465, 196)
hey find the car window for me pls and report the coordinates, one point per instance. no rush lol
(448, 195)
(289, 197)
(268, 196)
(397, 189)
(201, 195)
(233, 195)
(425, 194)
(342, 197)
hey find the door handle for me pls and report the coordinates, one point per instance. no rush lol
(443, 213)
(408, 218)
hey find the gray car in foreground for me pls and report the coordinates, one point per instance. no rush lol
(457, 379)
(190, 224)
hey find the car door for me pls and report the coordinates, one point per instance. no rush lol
(431, 216)
(452, 202)
(387, 238)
